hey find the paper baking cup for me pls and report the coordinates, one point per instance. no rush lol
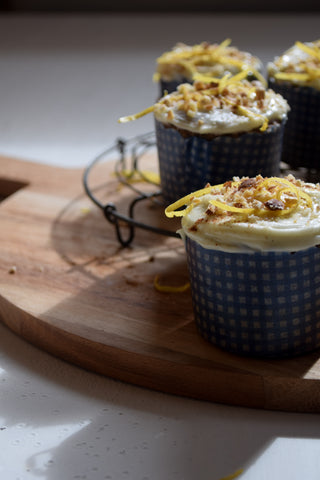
(259, 304)
(188, 164)
(301, 145)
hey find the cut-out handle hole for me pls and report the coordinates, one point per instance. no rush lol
(9, 187)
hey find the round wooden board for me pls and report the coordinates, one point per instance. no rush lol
(68, 287)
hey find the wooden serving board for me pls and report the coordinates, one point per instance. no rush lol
(68, 287)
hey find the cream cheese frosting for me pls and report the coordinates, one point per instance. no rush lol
(183, 61)
(300, 65)
(222, 107)
(249, 215)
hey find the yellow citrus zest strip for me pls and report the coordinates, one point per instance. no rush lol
(274, 181)
(171, 211)
(259, 76)
(293, 189)
(223, 82)
(206, 78)
(178, 213)
(240, 76)
(173, 55)
(190, 69)
(195, 53)
(292, 76)
(231, 61)
(243, 67)
(168, 288)
(156, 77)
(134, 176)
(189, 59)
(270, 182)
(247, 113)
(224, 44)
(284, 190)
(306, 197)
(129, 118)
(310, 73)
(231, 208)
(233, 475)
(313, 51)
(151, 177)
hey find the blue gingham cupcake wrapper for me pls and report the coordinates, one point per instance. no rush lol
(301, 145)
(187, 164)
(259, 304)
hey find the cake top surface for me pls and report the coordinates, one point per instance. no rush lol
(219, 106)
(252, 214)
(223, 106)
(183, 61)
(299, 65)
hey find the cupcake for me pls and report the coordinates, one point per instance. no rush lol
(183, 62)
(254, 264)
(296, 76)
(208, 132)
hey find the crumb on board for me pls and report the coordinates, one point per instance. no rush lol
(169, 288)
(12, 270)
(131, 281)
(85, 210)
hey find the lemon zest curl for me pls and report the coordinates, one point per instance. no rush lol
(284, 190)
(168, 288)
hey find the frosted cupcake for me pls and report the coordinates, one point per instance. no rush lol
(254, 263)
(208, 132)
(183, 62)
(296, 76)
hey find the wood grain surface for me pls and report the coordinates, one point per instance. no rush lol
(68, 287)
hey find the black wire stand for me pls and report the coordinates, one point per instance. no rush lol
(128, 154)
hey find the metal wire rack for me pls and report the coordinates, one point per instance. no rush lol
(128, 154)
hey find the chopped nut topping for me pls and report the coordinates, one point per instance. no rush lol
(229, 93)
(260, 94)
(246, 198)
(274, 204)
(248, 183)
(170, 115)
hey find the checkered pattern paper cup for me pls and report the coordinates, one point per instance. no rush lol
(301, 145)
(256, 304)
(186, 164)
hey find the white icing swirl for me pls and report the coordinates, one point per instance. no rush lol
(223, 118)
(297, 231)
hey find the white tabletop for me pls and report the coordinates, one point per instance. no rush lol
(64, 82)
